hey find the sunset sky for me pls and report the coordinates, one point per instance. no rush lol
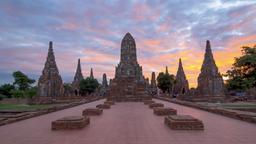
(92, 30)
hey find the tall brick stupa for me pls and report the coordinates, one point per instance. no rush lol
(129, 83)
(210, 82)
(50, 82)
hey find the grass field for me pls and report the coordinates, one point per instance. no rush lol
(235, 106)
(22, 107)
(239, 105)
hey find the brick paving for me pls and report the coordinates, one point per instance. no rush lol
(129, 123)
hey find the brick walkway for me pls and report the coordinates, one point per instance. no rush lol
(129, 123)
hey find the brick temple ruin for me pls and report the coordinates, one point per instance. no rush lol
(129, 83)
(77, 79)
(210, 82)
(50, 82)
(181, 86)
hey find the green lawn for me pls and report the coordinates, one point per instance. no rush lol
(22, 107)
(239, 105)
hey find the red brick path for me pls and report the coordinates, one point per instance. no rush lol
(129, 123)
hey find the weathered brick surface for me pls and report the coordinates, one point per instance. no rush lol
(236, 114)
(109, 102)
(70, 122)
(153, 105)
(50, 82)
(183, 122)
(77, 78)
(92, 111)
(181, 86)
(161, 111)
(210, 81)
(129, 84)
(103, 106)
(147, 102)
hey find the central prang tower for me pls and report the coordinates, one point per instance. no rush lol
(129, 83)
(128, 66)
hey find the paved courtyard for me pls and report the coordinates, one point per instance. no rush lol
(129, 123)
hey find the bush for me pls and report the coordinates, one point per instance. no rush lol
(17, 93)
(6, 89)
(1, 97)
(165, 81)
(88, 85)
(30, 93)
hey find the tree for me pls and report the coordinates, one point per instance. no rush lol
(242, 75)
(18, 94)
(165, 81)
(68, 89)
(5, 90)
(21, 81)
(30, 93)
(88, 85)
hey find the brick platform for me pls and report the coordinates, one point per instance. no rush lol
(109, 102)
(92, 111)
(103, 106)
(161, 111)
(147, 102)
(183, 122)
(70, 122)
(153, 105)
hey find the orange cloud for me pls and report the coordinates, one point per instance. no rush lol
(193, 58)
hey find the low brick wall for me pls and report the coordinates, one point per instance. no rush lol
(13, 101)
(240, 115)
(103, 106)
(147, 102)
(70, 122)
(92, 111)
(109, 102)
(153, 105)
(27, 115)
(161, 111)
(183, 122)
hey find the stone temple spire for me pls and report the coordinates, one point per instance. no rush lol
(166, 70)
(104, 81)
(91, 73)
(209, 65)
(153, 79)
(50, 61)
(128, 49)
(181, 86)
(78, 76)
(128, 66)
(153, 87)
(50, 82)
(210, 82)
(104, 88)
(129, 82)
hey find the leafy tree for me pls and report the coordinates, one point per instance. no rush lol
(242, 75)
(67, 86)
(18, 94)
(30, 93)
(88, 85)
(5, 90)
(165, 81)
(21, 81)
(67, 89)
